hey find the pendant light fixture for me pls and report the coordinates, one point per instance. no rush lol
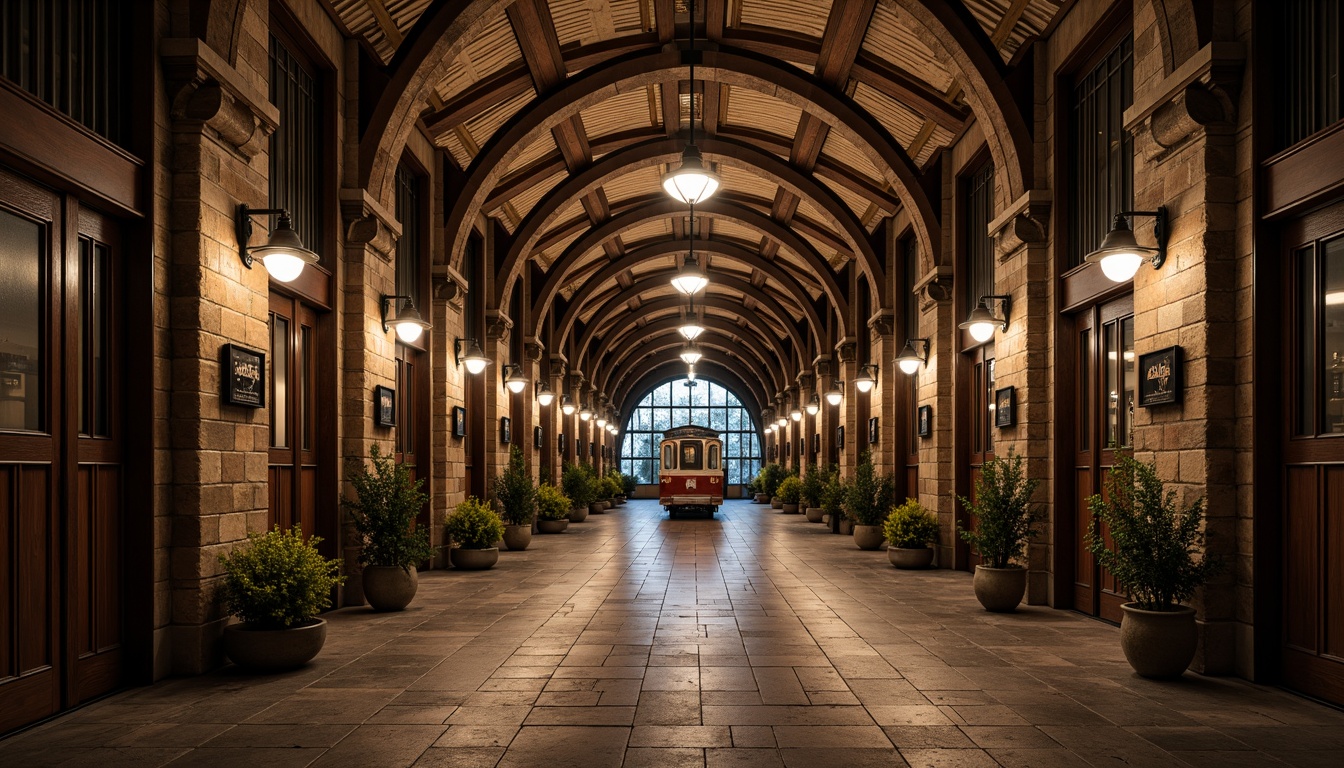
(691, 354)
(692, 182)
(690, 323)
(911, 359)
(514, 380)
(544, 394)
(981, 323)
(837, 393)
(690, 278)
(866, 379)
(796, 414)
(585, 413)
(407, 321)
(468, 352)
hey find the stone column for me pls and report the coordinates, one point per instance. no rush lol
(448, 457)
(847, 370)
(882, 400)
(933, 388)
(827, 417)
(806, 382)
(498, 399)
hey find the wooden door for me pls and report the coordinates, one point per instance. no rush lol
(977, 433)
(1313, 457)
(1105, 392)
(61, 511)
(294, 410)
(412, 409)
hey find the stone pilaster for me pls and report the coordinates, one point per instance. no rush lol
(846, 355)
(934, 389)
(882, 400)
(448, 458)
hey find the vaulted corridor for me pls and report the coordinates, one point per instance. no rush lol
(756, 639)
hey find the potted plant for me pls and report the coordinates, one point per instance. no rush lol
(473, 528)
(628, 487)
(610, 490)
(814, 484)
(596, 506)
(771, 476)
(1005, 519)
(383, 511)
(574, 482)
(1153, 548)
(868, 496)
(277, 585)
(789, 492)
(833, 496)
(515, 493)
(909, 529)
(552, 509)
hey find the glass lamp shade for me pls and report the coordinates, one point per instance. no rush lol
(981, 323)
(692, 182)
(545, 396)
(515, 382)
(408, 323)
(690, 326)
(601, 422)
(475, 360)
(567, 406)
(770, 428)
(909, 360)
(690, 278)
(284, 254)
(586, 413)
(865, 381)
(691, 354)
(813, 405)
(690, 374)
(1119, 254)
(836, 395)
(782, 422)
(796, 414)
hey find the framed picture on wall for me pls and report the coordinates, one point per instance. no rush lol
(816, 443)
(872, 431)
(538, 438)
(840, 438)
(787, 449)
(1005, 407)
(384, 406)
(924, 420)
(802, 447)
(578, 447)
(1160, 377)
(459, 421)
(560, 444)
(592, 449)
(245, 376)
(505, 430)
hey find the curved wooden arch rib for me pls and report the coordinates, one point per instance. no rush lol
(663, 304)
(765, 346)
(965, 43)
(739, 68)
(638, 256)
(751, 354)
(713, 209)
(714, 371)
(730, 353)
(712, 362)
(768, 305)
(729, 152)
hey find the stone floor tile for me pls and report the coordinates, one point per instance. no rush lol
(743, 758)
(782, 715)
(168, 735)
(280, 736)
(1037, 758)
(664, 757)
(668, 708)
(489, 715)
(834, 736)
(580, 716)
(411, 715)
(382, 746)
(680, 736)
(477, 736)
(909, 715)
(459, 757)
(928, 737)
(1008, 737)
(753, 736)
(567, 747)
(948, 758)
(813, 757)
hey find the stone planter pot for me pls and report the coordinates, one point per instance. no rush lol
(789, 509)
(608, 504)
(760, 498)
(814, 514)
(578, 514)
(846, 526)
(274, 650)
(596, 508)
(868, 536)
(552, 526)
(1000, 590)
(1158, 644)
(620, 500)
(389, 587)
(910, 559)
(517, 537)
(473, 559)
(775, 503)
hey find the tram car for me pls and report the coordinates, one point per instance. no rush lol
(692, 477)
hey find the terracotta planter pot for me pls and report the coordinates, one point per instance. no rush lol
(868, 536)
(1000, 590)
(761, 498)
(775, 503)
(620, 500)
(274, 650)
(846, 526)
(596, 508)
(389, 587)
(473, 559)
(814, 514)
(578, 514)
(910, 559)
(552, 526)
(789, 509)
(1158, 644)
(517, 537)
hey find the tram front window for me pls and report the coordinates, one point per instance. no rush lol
(690, 454)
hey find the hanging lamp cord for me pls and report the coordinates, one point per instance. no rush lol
(692, 6)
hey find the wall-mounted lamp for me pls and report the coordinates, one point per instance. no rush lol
(837, 393)
(813, 405)
(408, 323)
(796, 414)
(544, 394)
(691, 354)
(1120, 255)
(513, 378)
(283, 254)
(782, 422)
(911, 358)
(585, 413)
(867, 378)
(769, 428)
(601, 421)
(981, 322)
(567, 405)
(468, 352)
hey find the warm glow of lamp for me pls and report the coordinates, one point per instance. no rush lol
(1120, 255)
(585, 413)
(283, 255)
(866, 379)
(544, 394)
(690, 325)
(796, 414)
(513, 379)
(690, 278)
(408, 323)
(692, 182)
(468, 353)
(982, 323)
(567, 405)
(813, 405)
(910, 359)
(837, 393)
(691, 354)
(782, 422)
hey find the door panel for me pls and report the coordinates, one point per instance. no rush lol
(293, 472)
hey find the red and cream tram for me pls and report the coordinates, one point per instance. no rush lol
(692, 476)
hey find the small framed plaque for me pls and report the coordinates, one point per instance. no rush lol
(1160, 377)
(872, 431)
(459, 421)
(560, 444)
(538, 438)
(924, 420)
(505, 430)
(840, 438)
(816, 443)
(384, 406)
(244, 376)
(1005, 407)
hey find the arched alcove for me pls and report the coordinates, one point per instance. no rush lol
(674, 403)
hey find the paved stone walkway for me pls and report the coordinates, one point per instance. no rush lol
(756, 639)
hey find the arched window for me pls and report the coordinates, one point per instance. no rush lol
(675, 404)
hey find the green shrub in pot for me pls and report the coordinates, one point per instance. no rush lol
(474, 528)
(908, 530)
(383, 511)
(610, 488)
(790, 490)
(814, 484)
(514, 491)
(629, 485)
(552, 503)
(1005, 519)
(833, 495)
(577, 485)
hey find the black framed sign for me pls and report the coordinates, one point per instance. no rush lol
(1160, 377)
(788, 448)
(459, 421)
(578, 446)
(244, 376)
(772, 453)
(924, 420)
(872, 430)
(538, 438)
(505, 430)
(840, 437)
(802, 447)
(561, 444)
(592, 448)
(816, 443)
(1005, 407)
(384, 406)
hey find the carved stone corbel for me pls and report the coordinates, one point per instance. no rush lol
(882, 324)
(368, 224)
(449, 285)
(806, 381)
(847, 350)
(497, 325)
(935, 287)
(205, 92)
(1026, 222)
(1201, 95)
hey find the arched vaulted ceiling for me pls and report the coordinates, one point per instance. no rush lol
(559, 118)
